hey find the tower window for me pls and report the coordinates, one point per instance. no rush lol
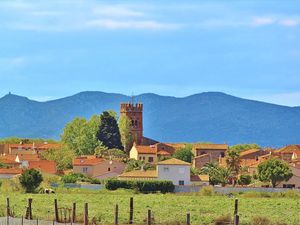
(136, 123)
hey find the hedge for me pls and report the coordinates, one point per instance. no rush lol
(141, 186)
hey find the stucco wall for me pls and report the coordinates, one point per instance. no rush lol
(174, 173)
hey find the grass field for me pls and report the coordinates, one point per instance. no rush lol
(167, 208)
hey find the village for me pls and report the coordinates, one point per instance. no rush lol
(157, 161)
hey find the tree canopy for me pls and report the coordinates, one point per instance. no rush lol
(184, 154)
(62, 157)
(125, 132)
(274, 171)
(31, 180)
(108, 133)
(244, 147)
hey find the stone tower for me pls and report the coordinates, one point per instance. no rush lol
(135, 114)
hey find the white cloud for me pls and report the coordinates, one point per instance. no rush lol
(289, 22)
(130, 24)
(117, 11)
(261, 21)
(279, 20)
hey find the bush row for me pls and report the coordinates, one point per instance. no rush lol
(141, 186)
(76, 177)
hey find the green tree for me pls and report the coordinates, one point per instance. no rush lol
(244, 147)
(125, 132)
(233, 162)
(217, 174)
(62, 157)
(108, 133)
(274, 171)
(184, 154)
(31, 180)
(134, 164)
(244, 179)
(80, 135)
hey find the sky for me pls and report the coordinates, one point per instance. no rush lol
(52, 49)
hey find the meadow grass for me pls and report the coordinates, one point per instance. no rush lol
(167, 208)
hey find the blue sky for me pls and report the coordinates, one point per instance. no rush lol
(51, 49)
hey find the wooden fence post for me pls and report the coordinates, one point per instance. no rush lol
(30, 208)
(188, 219)
(149, 217)
(236, 219)
(56, 211)
(116, 214)
(8, 207)
(236, 205)
(86, 214)
(22, 220)
(131, 211)
(74, 213)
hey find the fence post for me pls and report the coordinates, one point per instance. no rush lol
(86, 214)
(7, 207)
(149, 217)
(56, 210)
(37, 221)
(236, 219)
(74, 213)
(188, 219)
(236, 205)
(30, 208)
(116, 214)
(131, 211)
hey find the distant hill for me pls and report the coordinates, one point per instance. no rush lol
(210, 116)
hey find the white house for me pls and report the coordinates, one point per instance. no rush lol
(173, 170)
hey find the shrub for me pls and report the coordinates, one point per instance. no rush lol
(223, 220)
(31, 180)
(260, 220)
(207, 191)
(69, 179)
(244, 179)
(141, 186)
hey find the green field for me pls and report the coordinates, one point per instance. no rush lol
(167, 208)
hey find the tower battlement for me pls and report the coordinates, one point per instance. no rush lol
(129, 107)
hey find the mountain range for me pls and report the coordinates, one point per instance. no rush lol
(205, 117)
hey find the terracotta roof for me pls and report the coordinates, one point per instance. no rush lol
(10, 171)
(8, 159)
(44, 166)
(28, 157)
(173, 161)
(142, 149)
(139, 174)
(199, 178)
(211, 146)
(288, 149)
(164, 153)
(84, 161)
(249, 151)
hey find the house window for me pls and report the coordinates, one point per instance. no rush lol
(150, 159)
(166, 169)
(108, 169)
(181, 182)
(222, 154)
(140, 158)
(144, 158)
(84, 169)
